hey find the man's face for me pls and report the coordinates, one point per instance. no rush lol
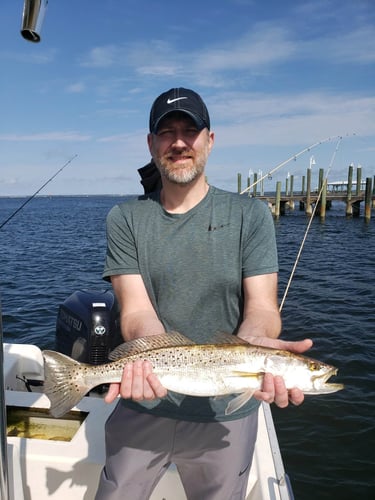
(179, 149)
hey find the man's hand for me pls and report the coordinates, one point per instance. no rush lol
(138, 382)
(273, 389)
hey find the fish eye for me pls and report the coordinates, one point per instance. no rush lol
(314, 366)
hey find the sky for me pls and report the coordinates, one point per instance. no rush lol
(278, 77)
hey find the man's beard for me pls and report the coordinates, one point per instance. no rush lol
(182, 174)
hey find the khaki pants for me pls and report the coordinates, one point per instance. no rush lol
(213, 459)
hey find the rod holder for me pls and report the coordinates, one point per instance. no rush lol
(32, 19)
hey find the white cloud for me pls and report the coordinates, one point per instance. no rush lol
(102, 57)
(76, 88)
(42, 57)
(46, 136)
(291, 119)
(354, 47)
(233, 62)
(264, 45)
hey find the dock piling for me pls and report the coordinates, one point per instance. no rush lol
(308, 193)
(359, 181)
(349, 208)
(324, 196)
(368, 194)
(278, 198)
(323, 200)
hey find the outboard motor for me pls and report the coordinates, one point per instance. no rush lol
(32, 19)
(88, 326)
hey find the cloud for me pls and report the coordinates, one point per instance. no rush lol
(46, 136)
(124, 138)
(357, 46)
(9, 181)
(262, 119)
(350, 47)
(76, 88)
(264, 45)
(46, 56)
(102, 57)
(235, 62)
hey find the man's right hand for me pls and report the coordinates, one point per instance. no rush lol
(138, 382)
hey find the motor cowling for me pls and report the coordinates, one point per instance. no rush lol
(88, 326)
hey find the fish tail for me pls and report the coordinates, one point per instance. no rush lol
(62, 386)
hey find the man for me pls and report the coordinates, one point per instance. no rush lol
(198, 260)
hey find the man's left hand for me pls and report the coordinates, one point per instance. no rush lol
(273, 389)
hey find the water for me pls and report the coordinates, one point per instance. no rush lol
(56, 245)
(326, 443)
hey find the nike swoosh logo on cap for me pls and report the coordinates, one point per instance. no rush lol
(170, 101)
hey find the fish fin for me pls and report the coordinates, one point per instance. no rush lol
(237, 402)
(218, 398)
(61, 384)
(143, 344)
(170, 339)
(175, 397)
(226, 338)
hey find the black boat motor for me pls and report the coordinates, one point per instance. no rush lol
(88, 326)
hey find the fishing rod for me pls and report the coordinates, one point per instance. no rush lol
(309, 225)
(36, 192)
(294, 157)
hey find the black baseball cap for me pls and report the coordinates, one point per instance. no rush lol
(182, 100)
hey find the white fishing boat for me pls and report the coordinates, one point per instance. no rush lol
(62, 458)
(58, 458)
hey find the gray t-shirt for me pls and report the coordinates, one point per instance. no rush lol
(192, 265)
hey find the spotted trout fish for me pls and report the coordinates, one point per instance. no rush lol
(230, 365)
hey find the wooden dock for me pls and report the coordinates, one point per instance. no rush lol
(319, 200)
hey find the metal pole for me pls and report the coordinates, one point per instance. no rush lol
(4, 485)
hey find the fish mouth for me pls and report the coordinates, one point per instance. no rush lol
(328, 388)
(321, 384)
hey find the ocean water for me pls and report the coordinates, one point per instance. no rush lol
(56, 245)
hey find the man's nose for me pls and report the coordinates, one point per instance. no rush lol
(179, 140)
